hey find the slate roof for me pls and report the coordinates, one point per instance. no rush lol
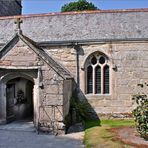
(58, 68)
(87, 25)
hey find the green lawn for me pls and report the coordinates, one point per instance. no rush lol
(97, 134)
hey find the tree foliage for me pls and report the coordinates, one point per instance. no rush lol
(141, 113)
(80, 5)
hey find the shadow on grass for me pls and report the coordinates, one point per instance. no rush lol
(92, 123)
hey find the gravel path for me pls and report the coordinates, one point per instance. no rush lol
(18, 139)
(12, 138)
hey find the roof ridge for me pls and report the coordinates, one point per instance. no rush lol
(76, 12)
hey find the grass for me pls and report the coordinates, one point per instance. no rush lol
(97, 134)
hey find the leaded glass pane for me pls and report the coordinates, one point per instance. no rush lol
(102, 60)
(94, 60)
(106, 79)
(98, 80)
(89, 79)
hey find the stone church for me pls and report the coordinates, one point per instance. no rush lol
(46, 58)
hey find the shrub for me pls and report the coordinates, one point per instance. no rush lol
(79, 5)
(141, 113)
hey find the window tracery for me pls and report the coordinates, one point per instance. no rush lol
(97, 74)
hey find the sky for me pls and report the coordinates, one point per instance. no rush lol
(47, 6)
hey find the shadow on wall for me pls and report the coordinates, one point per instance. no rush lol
(80, 109)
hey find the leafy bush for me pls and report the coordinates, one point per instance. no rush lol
(141, 113)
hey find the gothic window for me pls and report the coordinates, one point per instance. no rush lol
(97, 75)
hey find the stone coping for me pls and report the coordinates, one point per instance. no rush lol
(75, 13)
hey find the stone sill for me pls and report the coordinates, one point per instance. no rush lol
(98, 96)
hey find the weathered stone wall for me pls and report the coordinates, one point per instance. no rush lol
(131, 61)
(66, 56)
(50, 87)
(67, 90)
(20, 55)
(10, 7)
(52, 94)
(129, 57)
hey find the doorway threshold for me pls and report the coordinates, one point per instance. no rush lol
(21, 125)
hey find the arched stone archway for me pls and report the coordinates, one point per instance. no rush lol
(12, 75)
(10, 85)
(19, 99)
